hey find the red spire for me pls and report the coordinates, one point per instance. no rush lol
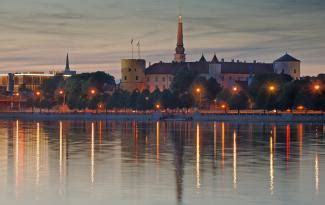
(180, 50)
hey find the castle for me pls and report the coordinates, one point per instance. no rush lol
(135, 75)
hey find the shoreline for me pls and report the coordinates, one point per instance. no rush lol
(158, 116)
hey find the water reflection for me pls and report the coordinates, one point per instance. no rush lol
(271, 166)
(142, 160)
(235, 160)
(316, 174)
(198, 184)
(92, 151)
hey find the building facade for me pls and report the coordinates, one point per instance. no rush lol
(11, 82)
(133, 74)
(160, 75)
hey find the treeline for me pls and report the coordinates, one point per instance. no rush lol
(99, 91)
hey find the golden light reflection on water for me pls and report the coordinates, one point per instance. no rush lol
(198, 183)
(235, 160)
(37, 153)
(157, 141)
(288, 136)
(222, 144)
(92, 151)
(271, 167)
(316, 174)
(62, 158)
(17, 173)
(27, 145)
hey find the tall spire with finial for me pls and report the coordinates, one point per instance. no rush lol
(67, 65)
(180, 50)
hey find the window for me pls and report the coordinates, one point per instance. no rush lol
(164, 87)
(294, 71)
(125, 77)
(136, 77)
(148, 79)
(129, 69)
(156, 79)
(170, 78)
(163, 79)
(230, 77)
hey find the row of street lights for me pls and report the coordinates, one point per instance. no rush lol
(271, 88)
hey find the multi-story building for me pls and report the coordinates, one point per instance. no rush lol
(11, 82)
(160, 75)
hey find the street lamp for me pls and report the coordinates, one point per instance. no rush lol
(93, 92)
(19, 96)
(199, 91)
(38, 95)
(271, 88)
(235, 89)
(157, 106)
(224, 107)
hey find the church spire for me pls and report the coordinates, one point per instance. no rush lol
(180, 50)
(67, 65)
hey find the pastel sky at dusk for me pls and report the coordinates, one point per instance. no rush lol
(37, 34)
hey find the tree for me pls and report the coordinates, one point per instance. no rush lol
(183, 81)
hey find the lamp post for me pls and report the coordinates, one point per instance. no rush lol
(38, 95)
(224, 107)
(158, 106)
(62, 93)
(271, 89)
(199, 92)
(235, 91)
(19, 102)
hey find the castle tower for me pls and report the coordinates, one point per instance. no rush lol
(180, 50)
(133, 74)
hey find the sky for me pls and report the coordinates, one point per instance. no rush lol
(35, 35)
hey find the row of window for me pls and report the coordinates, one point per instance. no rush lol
(136, 77)
(163, 79)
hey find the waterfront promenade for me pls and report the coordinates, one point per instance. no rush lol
(167, 116)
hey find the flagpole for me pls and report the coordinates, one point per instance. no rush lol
(132, 48)
(139, 56)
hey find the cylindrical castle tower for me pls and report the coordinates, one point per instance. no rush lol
(133, 74)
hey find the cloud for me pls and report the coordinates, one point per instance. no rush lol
(36, 34)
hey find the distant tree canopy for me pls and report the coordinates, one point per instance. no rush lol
(185, 84)
(271, 91)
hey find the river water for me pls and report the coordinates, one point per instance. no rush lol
(84, 162)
